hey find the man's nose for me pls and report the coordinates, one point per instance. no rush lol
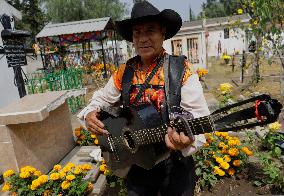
(143, 37)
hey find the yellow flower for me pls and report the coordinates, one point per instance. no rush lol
(8, 173)
(54, 176)
(106, 172)
(96, 141)
(274, 126)
(37, 173)
(57, 167)
(221, 144)
(103, 167)
(225, 88)
(6, 187)
(70, 177)
(28, 169)
(25, 174)
(77, 170)
(35, 184)
(219, 160)
(237, 163)
(70, 165)
(65, 185)
(252, 4)
(233, 152)
(43, 179)
(231, 171)
(86, 167)
(240, 11)
(93, 136)
(255, 22)
(224, 134)
(224, 165)
(217, 133)
(206, 144)
(227, 158)
(62, 174)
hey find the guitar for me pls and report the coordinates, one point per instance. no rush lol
(137, 133)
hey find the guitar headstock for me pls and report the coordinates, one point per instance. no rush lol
(256, 111)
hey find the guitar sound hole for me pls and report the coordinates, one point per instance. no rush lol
(128, 139)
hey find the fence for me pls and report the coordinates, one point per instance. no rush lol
(72, 78)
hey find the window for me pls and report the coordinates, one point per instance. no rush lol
(226, 33)
(176, 47)
(192, 49)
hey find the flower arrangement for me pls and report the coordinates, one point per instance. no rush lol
(225, 93)
(273, 140)
(85, 137)
(112, 180)
(68, 180)
(226, 58)
(222, 155)
(202, 72)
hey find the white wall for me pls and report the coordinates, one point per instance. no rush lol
(235, 41)
(201, 42)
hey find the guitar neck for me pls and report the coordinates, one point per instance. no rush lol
(155, 135)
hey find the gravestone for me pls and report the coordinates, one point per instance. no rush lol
(35, 130)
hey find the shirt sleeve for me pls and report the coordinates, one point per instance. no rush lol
(103, 98)
(193, 101)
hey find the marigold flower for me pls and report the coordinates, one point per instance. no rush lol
(224, 165)
(221, 144)
(219, 160)
(35, 184)
(225, 88)
(103, 161)
(274, 126)
(65, 185)
(227, 158)
(86, 167)
(37, 173)
(6, 187)
(221, 172)
(224, 134)
(231, 171)
(233, 152)
(25, 174)
(54, 176)
(43, 179)
(70, 177)
(57, 167)
(237, 163)
(96, 141)
(8, 173)
(93, 136)
(240, 11)
(77, 170)
(62, 174)
(103, 167)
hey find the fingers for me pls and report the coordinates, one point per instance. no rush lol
(177, 141)
(94, 124)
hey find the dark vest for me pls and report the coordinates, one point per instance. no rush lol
(175, 75)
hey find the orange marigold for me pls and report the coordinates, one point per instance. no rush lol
(231, 171)
(237, 163)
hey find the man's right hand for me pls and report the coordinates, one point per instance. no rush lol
(94, 124)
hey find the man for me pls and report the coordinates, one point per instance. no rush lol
(147, 29)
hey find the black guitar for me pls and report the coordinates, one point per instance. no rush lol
(137, 134)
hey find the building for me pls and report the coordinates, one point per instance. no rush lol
(200, 39)
(9, 92)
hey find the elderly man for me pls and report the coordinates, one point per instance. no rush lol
(147, 29)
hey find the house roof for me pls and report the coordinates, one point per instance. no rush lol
(82, 26)
(215, 21)
(6, 8)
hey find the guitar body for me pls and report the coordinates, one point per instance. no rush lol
(122, 152)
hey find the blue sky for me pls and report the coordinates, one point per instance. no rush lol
(181, 6)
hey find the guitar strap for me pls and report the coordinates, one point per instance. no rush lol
(173, 73)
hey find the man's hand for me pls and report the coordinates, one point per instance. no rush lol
(94, 124)
(176, 141)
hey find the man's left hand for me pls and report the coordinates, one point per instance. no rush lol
(177, 141)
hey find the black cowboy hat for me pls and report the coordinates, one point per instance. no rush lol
(145, 11)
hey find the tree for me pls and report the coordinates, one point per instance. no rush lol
(219, 8)
(83, 9)
(33, 17)
(192, 17)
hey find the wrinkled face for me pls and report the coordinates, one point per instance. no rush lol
(148, 39)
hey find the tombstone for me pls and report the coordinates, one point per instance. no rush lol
(35, 130)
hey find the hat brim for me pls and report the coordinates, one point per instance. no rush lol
(170, 19)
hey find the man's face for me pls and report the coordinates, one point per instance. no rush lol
(148, 39)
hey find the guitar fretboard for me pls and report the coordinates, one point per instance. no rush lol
(196, 126)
